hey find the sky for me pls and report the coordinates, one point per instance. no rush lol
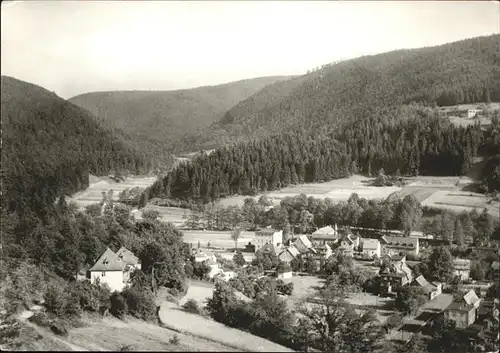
(74, 47)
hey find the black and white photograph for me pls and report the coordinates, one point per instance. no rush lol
(250, 176)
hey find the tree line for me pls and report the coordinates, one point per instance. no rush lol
(419, 143)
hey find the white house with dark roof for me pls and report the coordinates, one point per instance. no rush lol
(110, 269)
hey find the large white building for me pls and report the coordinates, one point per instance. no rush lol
(268, 236)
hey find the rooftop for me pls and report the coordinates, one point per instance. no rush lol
(127, 256)
(266, 231)
(407, 242)
(370, 244)
(108, 261)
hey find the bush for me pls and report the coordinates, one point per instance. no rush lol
(118, 305)
(140, 303)
(40, 319)
(55, 300)
(126, 348)
(59, 328)
(191, 306)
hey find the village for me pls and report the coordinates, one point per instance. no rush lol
(390, 260)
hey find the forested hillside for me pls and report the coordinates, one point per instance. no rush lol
(410, 141)
(462, 72)
(49, 147)
(159, 118)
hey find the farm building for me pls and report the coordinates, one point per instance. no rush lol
(399, 245)
(324, 235)
(268, 236)
(110, 269)
(464, 311)
(461, 268)
(431, 289)
(371, 248)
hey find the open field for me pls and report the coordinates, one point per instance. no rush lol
(93, 194)
(174, 215)
(461, 201)
(220, 239)
(337, 190)
(174, 318)
(439, 192)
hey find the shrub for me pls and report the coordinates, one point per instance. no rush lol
(118, 305)
(140, 303)
(175, 340)
(59, 328)
(191, 306)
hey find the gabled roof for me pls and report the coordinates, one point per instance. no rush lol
(370, 244)
(108, 261)
(293, 250)
(471, 298)
(127, 256)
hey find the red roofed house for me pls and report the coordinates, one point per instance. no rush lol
(113, 269)
(464, 311)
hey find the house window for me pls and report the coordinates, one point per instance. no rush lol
(103, 274)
